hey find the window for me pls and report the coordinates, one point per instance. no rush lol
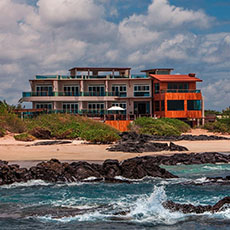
(175, 86)
(96, 90)
(157, 106)
(120, 104)
(163, 105)
(70, 107)
(71, 90)
(119, 90)
(141, 91)
(157, 87)
(194, 105)
(44, 90)
(175, 105)
(47, 106)
(96, 107)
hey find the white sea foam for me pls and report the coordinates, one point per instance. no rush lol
(150, 209)
(84, 217)
(27, 184)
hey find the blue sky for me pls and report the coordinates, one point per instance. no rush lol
(51, 36)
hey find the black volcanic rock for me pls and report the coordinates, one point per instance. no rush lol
(189, 208)
(135, 143)
(134, 168)
(139, 167)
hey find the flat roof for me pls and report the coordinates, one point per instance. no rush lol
(103, 69)
(149, 70)
(175, 78)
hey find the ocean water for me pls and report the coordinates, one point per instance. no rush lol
(40, 205)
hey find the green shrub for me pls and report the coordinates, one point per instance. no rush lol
(99, 136)
(24, 137)
(220, 126)
(66, 126)
(161, 127)
(9, 121)
(178, 124)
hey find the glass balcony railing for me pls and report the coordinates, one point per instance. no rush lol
(75, 94)
(139, 76)
(93, 94)
(141, 94)
(67, 94)
(181, 91)
(116, 94)
(37, 94)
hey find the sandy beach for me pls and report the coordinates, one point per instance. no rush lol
(14, 151)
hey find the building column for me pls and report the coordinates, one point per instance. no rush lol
(198, 122)
(203, 115)
(55, 87)
(82, 87)
(106, 88)
(54, 105)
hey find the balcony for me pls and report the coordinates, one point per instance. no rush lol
(38, 94)
(181, 91)
(93, 94)
(116, 94)
(74, 94)
(141, 94)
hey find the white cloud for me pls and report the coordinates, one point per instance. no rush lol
(58, 34)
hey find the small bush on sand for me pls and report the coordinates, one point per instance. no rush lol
(161, 127)
(24, 137)
(99, 136)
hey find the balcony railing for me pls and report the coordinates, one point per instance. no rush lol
(74, 94)
(181, 91)
(141, 94)
(67, 94)
(116, 94)
(93, 94)
(37, 94)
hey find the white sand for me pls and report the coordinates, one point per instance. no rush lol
(12, 150)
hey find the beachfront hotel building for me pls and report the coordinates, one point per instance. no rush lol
(91, 91)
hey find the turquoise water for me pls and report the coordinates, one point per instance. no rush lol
(41, 205)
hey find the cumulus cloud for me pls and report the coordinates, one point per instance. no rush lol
(50, 36)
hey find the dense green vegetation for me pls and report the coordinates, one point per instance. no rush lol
(161, 127)
(9, 121)
(220, 126)
(66, 126)
(55, 126)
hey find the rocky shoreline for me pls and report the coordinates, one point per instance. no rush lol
(134, 168)
(132, 142)
(185, 137)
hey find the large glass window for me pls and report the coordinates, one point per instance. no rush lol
(44, 90)
(71, 90)
(176, 86)
(175, 105)
(157, 105)
(194, 105)
(70, 107)
(162, 105)
(119, 104)
(96, 107)
(157, 87)
(47, 106)
(119, 90)
(96, 90)
(141, 91)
